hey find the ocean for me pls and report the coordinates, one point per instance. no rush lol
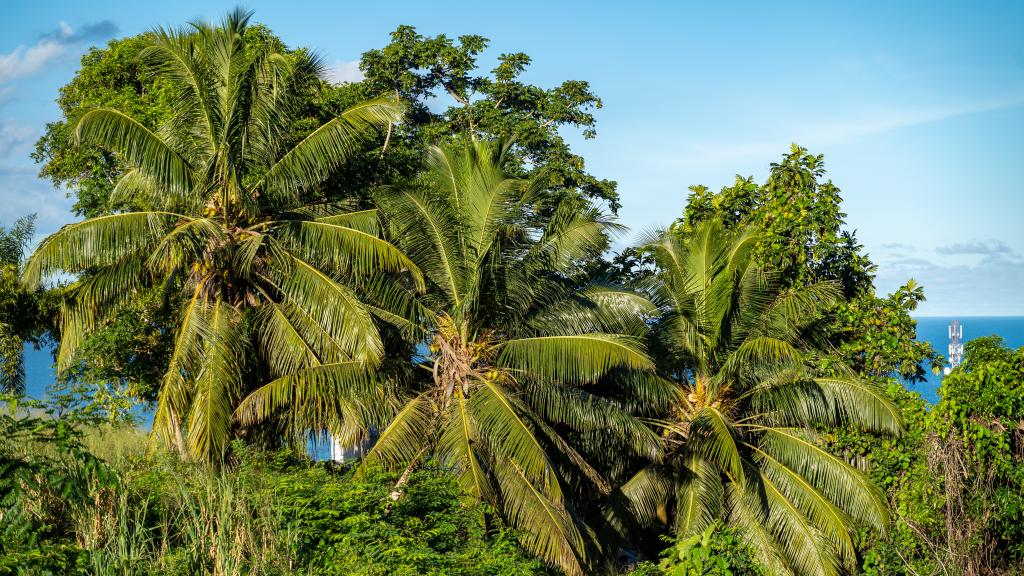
(39, 371)
(934, 329)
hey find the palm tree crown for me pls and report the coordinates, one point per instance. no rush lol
(740, 443)
(510, 341)
(263, 281)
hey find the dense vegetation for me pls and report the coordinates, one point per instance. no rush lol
(269, 260)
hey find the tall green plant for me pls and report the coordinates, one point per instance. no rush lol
(511, 342)
(740, 442)
(262, 281)
(20, 318)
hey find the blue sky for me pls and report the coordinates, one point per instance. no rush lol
(917, 106)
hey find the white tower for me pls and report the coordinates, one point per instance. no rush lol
(956, 345)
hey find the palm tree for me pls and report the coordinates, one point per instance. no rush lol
(510, 341)
(20, 320)
(264, 282)
(740, 444)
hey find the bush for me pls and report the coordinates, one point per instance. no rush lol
(955, 478)
(715, 552)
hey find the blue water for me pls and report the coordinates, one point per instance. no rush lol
(40, 374)
(933, 329)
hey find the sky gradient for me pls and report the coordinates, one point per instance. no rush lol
(918, 107)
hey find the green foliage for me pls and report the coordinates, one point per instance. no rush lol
(423, 70)
(351, 526)
(800, 219)
(954, 479)
(22, 311)
(269, 514)
(258, 285)
(979, 426)
(877, 337)
(131, 351)
(739, 441)
(717, 551)
(47, 478)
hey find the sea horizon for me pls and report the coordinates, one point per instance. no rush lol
(930, 328)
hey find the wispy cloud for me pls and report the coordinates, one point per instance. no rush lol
(345, 71)
(821, 134)
(896, 246)
(988, 285)
(13, 135)
(28, 60)
(22, 192)
(990, 248)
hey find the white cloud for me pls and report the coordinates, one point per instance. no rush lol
(13, 136)
(988, 285)
(345, 71)
(22, 192)
(821, 134)
(990, 248)
(28, 60)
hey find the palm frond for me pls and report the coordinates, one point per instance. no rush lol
(95, 242)
(139, 146)
(177, 387)
(845, 486)
(580, 358)
(332, 397)
(793, 399)
(712, 436)
(503, 426)
(218, 385)
(457, 449)
(310, 161)
(430, 234)
(351, 250)
(747, 514)
(647, 494)
(825, 516)
(698, 495)
(806, 549)
(405, 437)
(582, 412)
(544, 526)
(329, 304)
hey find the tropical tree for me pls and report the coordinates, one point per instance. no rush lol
(509, 342)
(263, 282)
(449, 95)
(21, 320)
(740, 444)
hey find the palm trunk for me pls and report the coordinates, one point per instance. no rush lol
(399, 488)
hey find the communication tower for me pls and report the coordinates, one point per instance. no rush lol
(956, 345)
